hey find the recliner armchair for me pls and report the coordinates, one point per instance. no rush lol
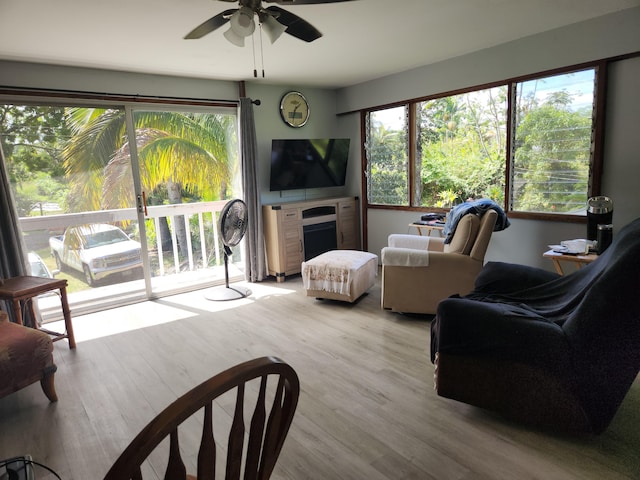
(418, 272)
(556, 351)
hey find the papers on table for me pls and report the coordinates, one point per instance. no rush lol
(579, 246)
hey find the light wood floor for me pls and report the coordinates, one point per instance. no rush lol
(367, 408)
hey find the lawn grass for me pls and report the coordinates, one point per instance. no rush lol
(74, 279)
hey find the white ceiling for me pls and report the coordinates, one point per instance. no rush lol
(363, 39)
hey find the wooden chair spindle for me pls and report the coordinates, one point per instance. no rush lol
(256, 434)
(236, 438)
(175, 468)
(207, 451)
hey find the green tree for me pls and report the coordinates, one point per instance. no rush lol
(387, 151)
(32, 138)
(462, 147)
(552, 158)
(178, 153)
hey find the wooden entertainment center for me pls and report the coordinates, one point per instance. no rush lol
(295, 232)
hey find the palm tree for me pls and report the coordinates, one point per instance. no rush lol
(177, 152)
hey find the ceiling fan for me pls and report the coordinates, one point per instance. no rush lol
(274, 20)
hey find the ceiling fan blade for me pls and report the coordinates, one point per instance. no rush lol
(303, 2)
(296, 26)
(210, 25)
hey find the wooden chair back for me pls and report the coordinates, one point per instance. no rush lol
(266, 435)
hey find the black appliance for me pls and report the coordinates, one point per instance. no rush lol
(599, 212)
(308, 163)
(319, 238)
(605, 236)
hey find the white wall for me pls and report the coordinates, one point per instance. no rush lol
(322, 123)
(55, 77)
(612, 35)
(621, 176)
(602, 37)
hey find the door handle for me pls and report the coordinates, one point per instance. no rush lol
(142, 204)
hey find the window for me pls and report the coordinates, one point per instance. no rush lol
(552, 143)
(460, 152)
(388, 149)
(528, 145)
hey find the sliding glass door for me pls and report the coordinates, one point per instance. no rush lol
(120, 220)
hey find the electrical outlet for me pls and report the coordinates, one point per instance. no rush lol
(18, 468)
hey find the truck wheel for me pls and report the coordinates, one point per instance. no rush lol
(88, 277)
(59, 265)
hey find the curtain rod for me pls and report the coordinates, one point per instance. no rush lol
(52, 92)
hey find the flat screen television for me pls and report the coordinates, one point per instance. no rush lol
(309, 163)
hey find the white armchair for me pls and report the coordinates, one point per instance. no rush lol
(418, 272)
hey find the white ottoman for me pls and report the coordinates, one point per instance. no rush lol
(340, 274)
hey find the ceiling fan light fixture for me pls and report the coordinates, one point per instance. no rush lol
(234, 38)
(242, 22)
(273, 28)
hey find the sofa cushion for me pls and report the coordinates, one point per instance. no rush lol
(465, 235)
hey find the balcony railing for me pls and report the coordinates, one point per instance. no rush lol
(203, 250)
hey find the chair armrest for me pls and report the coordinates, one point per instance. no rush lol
(498, 331)
(501, 277)
(415, 242)
(404, 257)
(449, 263)
(4, 318)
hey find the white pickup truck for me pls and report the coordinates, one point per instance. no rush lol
(97, 250)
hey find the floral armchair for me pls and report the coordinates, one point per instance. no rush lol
(26, 357)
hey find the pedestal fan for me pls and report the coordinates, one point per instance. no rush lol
(232, 226)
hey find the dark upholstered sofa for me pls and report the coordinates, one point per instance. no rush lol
(557, 351)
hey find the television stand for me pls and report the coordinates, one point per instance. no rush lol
(298, 231)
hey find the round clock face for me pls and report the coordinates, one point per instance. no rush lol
(294, 109)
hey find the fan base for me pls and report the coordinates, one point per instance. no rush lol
(223, 293)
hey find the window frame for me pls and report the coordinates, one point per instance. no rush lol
(595, 174)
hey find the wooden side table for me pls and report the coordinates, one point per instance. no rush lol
(578, 260)
(21, 290)
(427, 228)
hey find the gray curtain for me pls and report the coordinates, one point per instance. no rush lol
(12, 251)
(255, 262)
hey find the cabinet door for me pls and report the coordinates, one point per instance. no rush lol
(348, 225)
(292, 240)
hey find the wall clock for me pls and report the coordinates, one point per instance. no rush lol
(294, 109)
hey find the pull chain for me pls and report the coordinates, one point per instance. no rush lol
(253, 48)
(261, 51)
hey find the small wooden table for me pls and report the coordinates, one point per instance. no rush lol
(578, 260)
(427, 228)
(24, 288)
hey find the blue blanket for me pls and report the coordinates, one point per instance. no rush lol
(478, 207)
